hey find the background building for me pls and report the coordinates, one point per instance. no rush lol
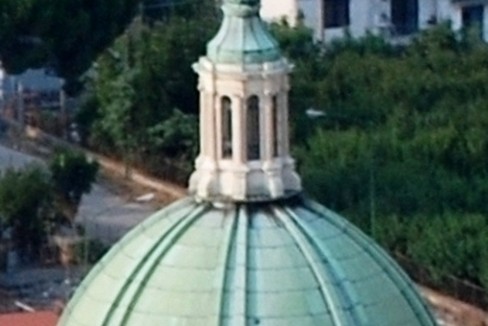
(394, 18)
(29, 94)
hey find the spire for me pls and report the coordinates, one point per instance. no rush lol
(244, 134)
(242, 37)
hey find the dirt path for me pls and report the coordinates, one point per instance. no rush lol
(450, 311)
(454, 312)
(139, 184)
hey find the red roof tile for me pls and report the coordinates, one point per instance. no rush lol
(45, 318)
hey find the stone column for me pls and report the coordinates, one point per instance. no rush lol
(203, 122)
(279, 136)
(267, 131)
(211, 121)
(218, 132)
(239, 140)
(285, 134)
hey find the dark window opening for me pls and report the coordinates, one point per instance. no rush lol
(472, 17)
(253, 133)
(336, 13)
(405, 16)
(226, 106)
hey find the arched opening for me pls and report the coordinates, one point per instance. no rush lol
(275, 126)
(226, 107)
(253, 134)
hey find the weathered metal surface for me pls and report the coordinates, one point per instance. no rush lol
(289, 262)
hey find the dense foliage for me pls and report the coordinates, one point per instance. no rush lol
(142, 96)
(72, 175)
(34, 200)
(402, 147)
(64, 34)
(25, 208)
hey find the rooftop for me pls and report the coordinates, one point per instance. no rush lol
(41, 318)
(288, 262)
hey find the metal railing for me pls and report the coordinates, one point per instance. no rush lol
(459, 289)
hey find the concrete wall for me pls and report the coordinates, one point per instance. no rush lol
(272, 10)
(360, 16)
(311, 10)
(453, 13)
(368, 15)
(361, 13)
(428, 10)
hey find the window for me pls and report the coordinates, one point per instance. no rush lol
(276, 125)
(253, 134)
(472, 17)
(226, 107)
(336, 13)
(404, 16)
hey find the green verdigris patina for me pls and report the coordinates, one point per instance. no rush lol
(285, 261)
(290, 262)
(243, 37)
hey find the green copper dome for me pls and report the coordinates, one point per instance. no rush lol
(284, 263)
(243, 37)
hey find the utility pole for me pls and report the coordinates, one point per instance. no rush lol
(372, 199)
(20, 106)
(64, 114)
(321, 20)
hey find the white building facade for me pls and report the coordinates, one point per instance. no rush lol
(331, 19)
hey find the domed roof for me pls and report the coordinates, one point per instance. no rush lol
(242, 38)
(288, 262)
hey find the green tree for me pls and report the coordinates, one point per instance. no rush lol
(25, 207)
(450, 245)
(34, 32)
(144, 80)
(176, 136)
(403, 139)
(72, 176)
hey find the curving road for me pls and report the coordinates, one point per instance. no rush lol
(104, 215)
(11, 158)
(107, 216)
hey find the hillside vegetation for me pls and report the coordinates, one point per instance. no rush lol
(403, 146)
(401, 149)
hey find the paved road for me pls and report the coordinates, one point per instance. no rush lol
(11, 158)
(105, 215)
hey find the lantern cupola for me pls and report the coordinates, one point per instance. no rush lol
(244, 135)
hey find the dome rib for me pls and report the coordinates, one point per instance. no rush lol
(244, 235)
(222, 35)
(184, 206)
(281, 263)
(147, 266)
(396, 275)
(336, 301)
(241, 257)
(237, 309)
(224, 277)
